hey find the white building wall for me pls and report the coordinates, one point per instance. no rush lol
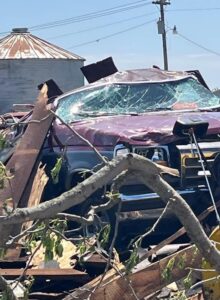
(19, 78)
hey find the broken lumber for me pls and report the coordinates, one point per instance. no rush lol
(144, 282)
(23, 161)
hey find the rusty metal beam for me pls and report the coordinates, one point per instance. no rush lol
(46, 296)
(23, 164)
(55, 274)
(23, 160)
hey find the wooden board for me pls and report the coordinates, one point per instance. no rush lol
(144, 282)
(39, 183)
(197, 297)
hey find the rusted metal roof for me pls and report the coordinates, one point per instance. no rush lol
(21, 44)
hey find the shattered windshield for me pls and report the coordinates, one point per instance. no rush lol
(135, 98)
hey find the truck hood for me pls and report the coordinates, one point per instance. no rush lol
(146, 129)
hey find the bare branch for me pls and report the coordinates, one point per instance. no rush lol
(81, 137)
(79, 219)
(199, 283)
(23, 233)
(121, 274)
(32, 121)
(154, 225)
(118, 182)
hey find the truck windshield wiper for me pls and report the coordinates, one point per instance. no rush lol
(214, 108)
(102, 114)
(94, 114)
(158, 109)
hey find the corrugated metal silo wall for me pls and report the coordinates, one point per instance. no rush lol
(19, 78)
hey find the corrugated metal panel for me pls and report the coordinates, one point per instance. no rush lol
(20, 44)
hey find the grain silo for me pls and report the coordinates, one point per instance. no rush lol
(26, 61)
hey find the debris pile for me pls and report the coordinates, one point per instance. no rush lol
(71, 272)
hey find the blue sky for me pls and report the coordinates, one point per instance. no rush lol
(196, 20)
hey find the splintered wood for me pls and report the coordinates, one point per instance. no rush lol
(144, 282)
(22, 165)
(40, 181)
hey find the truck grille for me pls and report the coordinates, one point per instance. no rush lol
(154, 153)
(145, 152)
(191, 166)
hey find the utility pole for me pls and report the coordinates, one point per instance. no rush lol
(162, 29)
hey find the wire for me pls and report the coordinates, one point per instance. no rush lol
(101, 26)
(194, 9)
(105, 12)
(193, 42)
(113, 34)
(89, 16)
(198, 45)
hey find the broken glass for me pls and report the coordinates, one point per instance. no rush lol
(135, 98)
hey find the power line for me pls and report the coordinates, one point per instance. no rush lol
(105, 12)
(101, 26)
(198, 45)
(89, 16)
(194, 9)
(111, 35)
(195, 43)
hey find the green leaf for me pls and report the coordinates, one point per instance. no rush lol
(188, 280)
(3, 141)
(104, 235)
(181, 262)
(82, 248)
(167, 272)
(132, 261)
(56, 170)
(2, 253)
(3, 175)
(58, 249)
(48, 254)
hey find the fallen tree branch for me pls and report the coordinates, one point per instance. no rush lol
(83, 190)
(150, 174)
(186, 216)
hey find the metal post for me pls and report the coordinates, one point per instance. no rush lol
(162, 30)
